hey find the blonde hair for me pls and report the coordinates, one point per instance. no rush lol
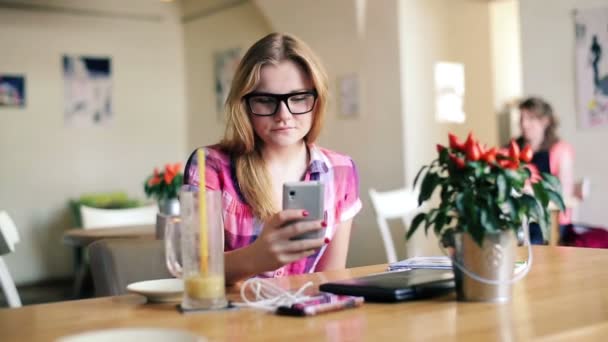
(240, 141)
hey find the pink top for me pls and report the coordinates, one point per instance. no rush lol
(560, 151)
(341, 183)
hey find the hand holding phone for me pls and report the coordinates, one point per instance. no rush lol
(306, 196)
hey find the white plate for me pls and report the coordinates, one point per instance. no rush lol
(133, 334)
(161, 290)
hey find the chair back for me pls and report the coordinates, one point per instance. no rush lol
(116, 263)
(401, 203)
(9, 236)
(582, 188)
(107, 218)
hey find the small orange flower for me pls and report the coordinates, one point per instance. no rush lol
(162, 184)
(153, 181)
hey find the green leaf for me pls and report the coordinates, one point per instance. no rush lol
(541, 194)
(429, 183)
(440, 221)
(485, 221)
(460, 202)
(557, 199)
(477, 169)
(415, 223)
(444, 156)
(419, 173)
(553, 181)
(477, 235)
(430, 218)
(501, 183)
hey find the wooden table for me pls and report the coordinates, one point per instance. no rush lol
(565, 297)
(79, 237)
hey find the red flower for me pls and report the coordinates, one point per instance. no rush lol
(454, 143)
(164, 184)
(155, 179)
(526, 154)
(472, 147)
(490, 156)
(171, 170)
(457, 161)
(514, 150)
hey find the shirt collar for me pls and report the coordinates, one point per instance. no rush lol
(318, 161)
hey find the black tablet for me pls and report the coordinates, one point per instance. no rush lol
(395, 286)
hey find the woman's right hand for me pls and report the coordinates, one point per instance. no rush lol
(274, 247)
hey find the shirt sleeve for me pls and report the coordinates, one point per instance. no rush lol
(212, 170)
(351, 204)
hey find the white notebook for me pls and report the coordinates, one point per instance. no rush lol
(431, 262)
(434, 262)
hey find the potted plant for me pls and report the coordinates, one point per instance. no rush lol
(164, 186)
(486, 197)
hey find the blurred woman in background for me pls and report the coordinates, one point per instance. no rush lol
(552, 155)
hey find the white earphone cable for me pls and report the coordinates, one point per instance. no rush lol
(268, 296)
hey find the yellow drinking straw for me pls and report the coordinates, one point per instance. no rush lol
(202, 209)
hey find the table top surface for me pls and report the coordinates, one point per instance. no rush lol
(83, 237)
(565, 297)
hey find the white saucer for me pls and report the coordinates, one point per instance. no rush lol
(161, 290)
(133, 334)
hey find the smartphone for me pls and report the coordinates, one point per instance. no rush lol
(306, 196)
(324, 302)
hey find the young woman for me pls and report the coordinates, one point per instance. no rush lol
(275, 110)
(551, 155)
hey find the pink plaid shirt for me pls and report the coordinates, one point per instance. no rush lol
(241, 227)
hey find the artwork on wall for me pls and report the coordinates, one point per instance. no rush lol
(12, 90)
(449, 92)
(224, 65)
(592, 66)
(349, 96)
(87, 90)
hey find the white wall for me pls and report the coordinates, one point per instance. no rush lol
(506, 51)
(374, 139)
(444, 30)
(547, 33)
(44, 163)
(225, 27)
(432, 31)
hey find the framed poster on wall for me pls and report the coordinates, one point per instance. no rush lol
(225, 63)
(87, 90)
(12, 90)
(591, 46)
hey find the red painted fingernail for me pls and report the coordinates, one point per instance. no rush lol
(323, 224)
(304, 213)
(327, 240)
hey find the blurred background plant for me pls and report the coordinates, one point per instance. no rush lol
(165, 184)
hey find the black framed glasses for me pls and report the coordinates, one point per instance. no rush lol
(266, 104)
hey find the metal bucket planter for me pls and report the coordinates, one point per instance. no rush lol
(168, 209)
(485, 273)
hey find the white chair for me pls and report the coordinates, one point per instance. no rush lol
(582, 190)
(400, 203)
(8, 238)
(108, 218)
